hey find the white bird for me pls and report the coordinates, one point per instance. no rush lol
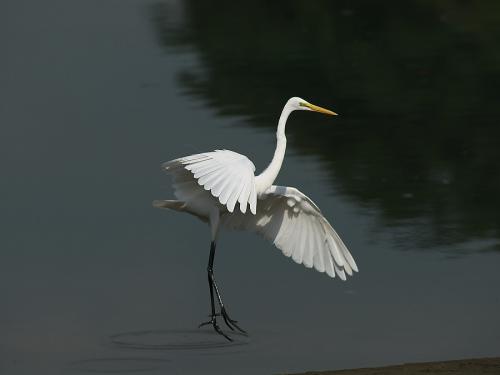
(210, 186)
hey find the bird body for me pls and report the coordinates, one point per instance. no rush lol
(220, 187)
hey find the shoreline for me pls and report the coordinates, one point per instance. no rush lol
(488, 366)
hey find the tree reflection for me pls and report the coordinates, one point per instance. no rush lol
(415, 83)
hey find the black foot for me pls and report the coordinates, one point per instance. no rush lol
(213, 322)
(230, 322)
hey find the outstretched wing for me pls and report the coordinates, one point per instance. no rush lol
(297, 227)
(229, 176)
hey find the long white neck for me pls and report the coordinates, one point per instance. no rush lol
(267, 177)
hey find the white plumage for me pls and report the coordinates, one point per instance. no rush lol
(228, 175)
(296, 226)
(210, 185)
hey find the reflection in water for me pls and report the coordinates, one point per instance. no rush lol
(90, 109)
(176, 340)
(118, 365)
(415, 83)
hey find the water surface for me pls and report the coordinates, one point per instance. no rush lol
(95, 95)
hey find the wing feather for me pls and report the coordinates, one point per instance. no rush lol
(233, 195)
(253, 199)
(222, 185)
(319, 262)
(230, 196)
(217, 178)
(228, 176)
(244, 196)
(298, 253)
(209, 169)
(284, 244)
(296, 226)
(308, 251)
(330, 271)
(335, 251)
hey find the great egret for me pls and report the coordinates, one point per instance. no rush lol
(209, 185)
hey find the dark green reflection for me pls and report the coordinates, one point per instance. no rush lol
(415, 82)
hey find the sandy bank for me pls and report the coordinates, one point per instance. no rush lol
(488, 366)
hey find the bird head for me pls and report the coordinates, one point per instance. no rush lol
(300, 104)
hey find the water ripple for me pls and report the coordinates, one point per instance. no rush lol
(170, 339)
(118, 365)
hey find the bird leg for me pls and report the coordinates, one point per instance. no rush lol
(229, 322)
(213, 286)
(213, 319)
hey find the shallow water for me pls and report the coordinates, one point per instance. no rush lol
(95, 95)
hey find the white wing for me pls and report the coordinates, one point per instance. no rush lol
(229, 176)
(297, 227)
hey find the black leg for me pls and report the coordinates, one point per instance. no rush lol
(213, 319)
(210, 276)
(213, 285)
(229, 322)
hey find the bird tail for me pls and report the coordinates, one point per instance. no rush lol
(177, 206)
(169, 204)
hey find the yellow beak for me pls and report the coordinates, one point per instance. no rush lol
(315, 108)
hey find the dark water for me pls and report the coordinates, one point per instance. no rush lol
(95, 94)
